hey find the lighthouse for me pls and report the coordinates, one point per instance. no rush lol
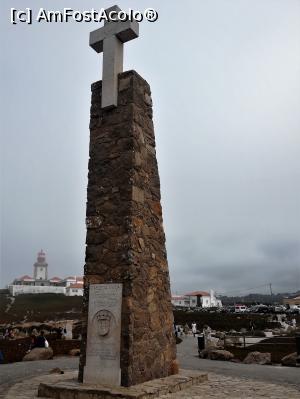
(40, 272)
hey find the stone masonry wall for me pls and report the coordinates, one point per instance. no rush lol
(125, 236)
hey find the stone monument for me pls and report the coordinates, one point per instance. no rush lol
(128, 344)
(126, 270)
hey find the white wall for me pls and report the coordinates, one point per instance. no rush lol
(35, 289)
(74, 292)
(178, 302)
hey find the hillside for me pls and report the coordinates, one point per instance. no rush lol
(38, 307)
(253, 299)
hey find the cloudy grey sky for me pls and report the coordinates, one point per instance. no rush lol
(225, 79)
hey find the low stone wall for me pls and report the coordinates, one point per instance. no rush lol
(277, 351)
(15, 350)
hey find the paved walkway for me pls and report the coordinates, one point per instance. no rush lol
(226, 379)
(187, 353)
(218, 387)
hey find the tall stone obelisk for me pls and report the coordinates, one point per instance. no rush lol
(128, 319)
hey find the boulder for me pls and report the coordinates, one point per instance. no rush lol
(258, 358)
(203, 353)
(74, 352)
(219, 354)
(56, 370)
(289, 360)
(220, 334)
(215, 354)
(39, 354)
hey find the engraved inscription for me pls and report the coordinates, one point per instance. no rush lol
(104, 334)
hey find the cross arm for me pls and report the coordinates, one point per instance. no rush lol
(124, 30)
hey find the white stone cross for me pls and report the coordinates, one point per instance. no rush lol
(109, 39)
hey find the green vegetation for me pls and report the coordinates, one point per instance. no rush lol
(39, 307)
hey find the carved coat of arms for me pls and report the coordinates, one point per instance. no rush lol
(103, 320)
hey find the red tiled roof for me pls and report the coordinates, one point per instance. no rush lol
(25, 278)
(178, 297)
(78, 285)
(55, 279)
(198, 293)
(70, 278)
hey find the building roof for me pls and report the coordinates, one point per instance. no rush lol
(178, 297)
(55, 279)
(70, 278)
(77, 285)
(198, 293)
(25, 278)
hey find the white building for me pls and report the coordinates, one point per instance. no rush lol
(40, 284)
(74, 290)
(197, 299)
(180, 300)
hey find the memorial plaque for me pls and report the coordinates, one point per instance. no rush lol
(104, 335)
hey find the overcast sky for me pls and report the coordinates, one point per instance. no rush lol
(225, 80)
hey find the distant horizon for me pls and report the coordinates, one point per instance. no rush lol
(240, 293)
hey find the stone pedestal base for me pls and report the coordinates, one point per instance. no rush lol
(152, 389)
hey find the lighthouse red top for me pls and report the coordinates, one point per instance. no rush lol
(41, 257)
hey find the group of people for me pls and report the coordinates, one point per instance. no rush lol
(180, 330)
(39, 341)
(9, 334)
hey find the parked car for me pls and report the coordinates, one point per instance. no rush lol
(240, 308)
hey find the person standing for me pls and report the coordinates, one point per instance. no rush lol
(40, 341)
(194, 328)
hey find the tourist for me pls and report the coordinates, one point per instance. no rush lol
(40, 341)
(32, 341)
(194, 328)
(207, 334)
(186, 329)
(60, 333)
(11, 335)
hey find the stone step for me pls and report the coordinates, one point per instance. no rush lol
(71, 389)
